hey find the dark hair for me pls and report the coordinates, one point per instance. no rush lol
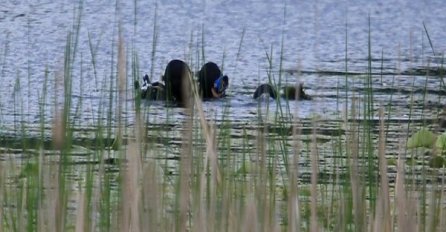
(207, 76)
(265, 88)
(225, 79)
(177, 84)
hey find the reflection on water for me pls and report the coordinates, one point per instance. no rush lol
(323, 43)
(246, 37)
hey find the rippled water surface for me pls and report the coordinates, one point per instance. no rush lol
(315, 42)
(325, 44)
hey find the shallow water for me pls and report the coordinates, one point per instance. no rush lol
(313, 34)
(33, 36)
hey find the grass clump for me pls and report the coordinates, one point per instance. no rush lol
(192, 173)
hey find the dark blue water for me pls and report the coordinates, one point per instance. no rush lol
(303, 35)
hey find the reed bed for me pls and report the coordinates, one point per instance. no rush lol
(210, 180)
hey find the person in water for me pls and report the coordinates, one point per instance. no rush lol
(219, 87)
(153, 91)
(289, 92)
(176, 87)
(212, 83)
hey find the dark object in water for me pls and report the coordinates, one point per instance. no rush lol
(153, 91)
(212, 84)
(289, 92)
(177, 79)
(437, 161)
(441, 118)
(177, 87)
(265, 89)
(157, 92)
(425, 71)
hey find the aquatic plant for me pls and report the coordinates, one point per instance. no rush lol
(196, 171)
(422, 138)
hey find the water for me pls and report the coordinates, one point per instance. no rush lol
(313, 39)
(313, 34)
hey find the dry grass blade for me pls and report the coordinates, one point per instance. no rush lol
(96, 196)
(152, 211)
(212, 153)
(260, 184)
(184, 190)
(80, 215)
(383, 219)
(122, 79)
(122, 69)
(131, 201)
(44, 206)
(150, 216)
(2, 184)
(357, 188)
(209, 134)
(406, 219)
(442, 223)
(58, 130)
(200, 222)
(56, 206)
(205, 219)
(293, 200)
(57, 195)
(314, 174)
(131, 190)
(41, 180)
(250, 223)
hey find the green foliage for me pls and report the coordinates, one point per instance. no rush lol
(267, 169)
(437, 162)
(440, 144)
(422, 138)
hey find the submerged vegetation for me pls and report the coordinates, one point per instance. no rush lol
(193, 171)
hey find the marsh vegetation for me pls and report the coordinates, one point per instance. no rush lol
(99, 158)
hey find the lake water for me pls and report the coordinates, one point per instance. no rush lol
(312, 35)
(314, 42)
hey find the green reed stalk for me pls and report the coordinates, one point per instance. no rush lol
(244, 162)
(112, 80)
(382, 66)
(346, 68)
(350, 209)
(424, 174)
(358, 189)
(22, 207)
(429, 38)
(433, 52)
(442, 76)
(4, 65)
(136, 77)
(367, 126)
(66, 123)
(93, 58)
(203, 57)
(237, 56)
(42, 109)
(225, 138)
(279, 112)
(16, 99)
(105, 191)
(389, 105)
(155, 36)
(78, 109)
